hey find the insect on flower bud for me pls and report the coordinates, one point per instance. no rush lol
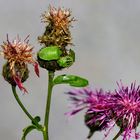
(57, 36)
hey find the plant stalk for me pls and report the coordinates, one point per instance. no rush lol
(23, 108)
(48, 104)
(44, 134)
(117, 135)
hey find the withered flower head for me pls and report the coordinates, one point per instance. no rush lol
(57, 29)
(60, 18)
(18, 54)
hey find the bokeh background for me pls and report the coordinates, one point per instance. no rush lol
(107, 45)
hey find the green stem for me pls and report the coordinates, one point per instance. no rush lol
(117, 135)
(44, 133)
(50, 86)
(23, 108)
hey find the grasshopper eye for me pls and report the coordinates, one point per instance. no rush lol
(66, 61)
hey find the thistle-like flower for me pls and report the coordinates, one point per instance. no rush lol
(104, 109)
(57, 29)
(18, 54)
(98, 108)
(126, 109)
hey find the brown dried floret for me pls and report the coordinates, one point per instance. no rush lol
(59, 18)
(57, 30)
(18, 54)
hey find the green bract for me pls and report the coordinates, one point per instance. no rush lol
(72, 54)
(72, 80)
(50, 53)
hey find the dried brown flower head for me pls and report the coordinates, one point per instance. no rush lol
(57, 29)
(18, 54)
(60, 18)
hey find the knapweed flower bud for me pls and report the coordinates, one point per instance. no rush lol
(23, 73)
(94, 124)
(18, 54)
(57, 34)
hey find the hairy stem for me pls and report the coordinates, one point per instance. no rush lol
(50, 86)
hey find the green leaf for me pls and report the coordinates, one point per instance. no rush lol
(72, 80)
(27, 130)
(79, 82)
(50, 53)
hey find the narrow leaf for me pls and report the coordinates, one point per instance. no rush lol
(72, 80)
(79, 82)
(27, 130)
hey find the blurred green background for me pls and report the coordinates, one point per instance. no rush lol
(107, 45)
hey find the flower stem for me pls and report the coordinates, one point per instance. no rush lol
(50, 86)
(44, 133)
(23, 108)
(117, 135)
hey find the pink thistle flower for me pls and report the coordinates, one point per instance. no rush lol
(126, 109)
(98, 108)
(105, 109)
